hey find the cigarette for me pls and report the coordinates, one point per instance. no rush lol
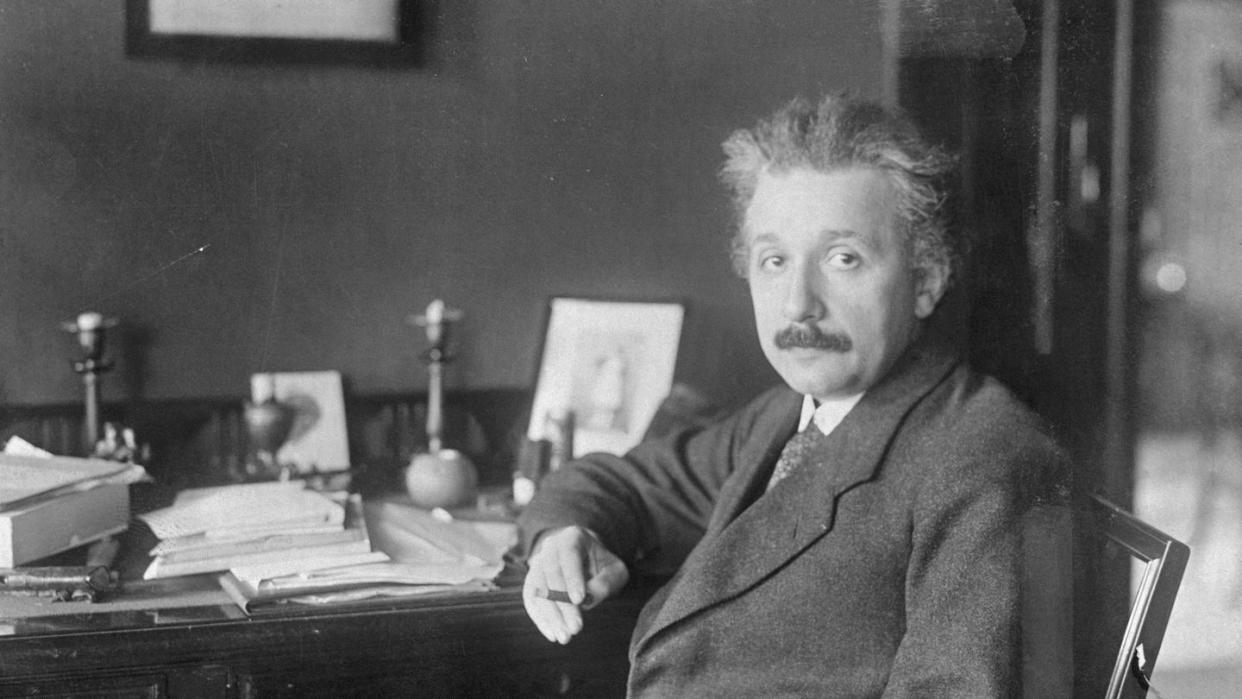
(559, 596)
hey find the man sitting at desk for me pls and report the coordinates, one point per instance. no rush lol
(857, 532)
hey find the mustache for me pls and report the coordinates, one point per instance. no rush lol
(812, 337)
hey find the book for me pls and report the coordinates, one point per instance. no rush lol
(27, 480)
(58, 524)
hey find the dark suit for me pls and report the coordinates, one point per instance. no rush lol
(892, 567)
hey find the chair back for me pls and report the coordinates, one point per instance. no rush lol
(1163, 560)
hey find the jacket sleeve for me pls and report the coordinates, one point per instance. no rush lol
(650, 506)
(964, 578)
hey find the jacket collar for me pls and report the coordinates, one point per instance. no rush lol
(751, 533)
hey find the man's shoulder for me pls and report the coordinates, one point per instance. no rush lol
(974, 401)
(973, 422)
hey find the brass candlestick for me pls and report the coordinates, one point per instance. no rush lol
(90, 328)
(439, 477)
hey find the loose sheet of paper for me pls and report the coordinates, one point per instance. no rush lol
(243, 507)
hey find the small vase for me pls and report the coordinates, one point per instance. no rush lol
(267, 426)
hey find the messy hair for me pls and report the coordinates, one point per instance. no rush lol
(841, 132)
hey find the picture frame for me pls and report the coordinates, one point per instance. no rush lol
(318, 442)
(371, 32)
(608, 364)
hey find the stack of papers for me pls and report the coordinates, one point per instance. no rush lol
(279, 523)
(420, 554)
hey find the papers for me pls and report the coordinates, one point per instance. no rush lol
(244, 510)
(412, 535)
(304, 568)
(29, 480)
(214, 529)
(253, 600)
(419, 554)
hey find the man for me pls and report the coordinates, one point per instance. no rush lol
(857, 532)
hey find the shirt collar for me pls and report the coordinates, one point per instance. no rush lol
(828, 414)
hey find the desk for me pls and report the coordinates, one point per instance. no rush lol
(183, 637)
(452, 645)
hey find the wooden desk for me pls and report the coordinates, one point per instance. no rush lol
(184, 637)
(463, 645)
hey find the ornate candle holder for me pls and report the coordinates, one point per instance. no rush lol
(90, 328)
(439, 477)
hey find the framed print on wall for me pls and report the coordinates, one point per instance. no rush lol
(608, 363)
(321, 31)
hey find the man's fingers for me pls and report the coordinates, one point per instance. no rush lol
(556, 588)
(572, 574)
(609, 579)
(557, 622)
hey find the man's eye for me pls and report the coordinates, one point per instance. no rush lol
(771, 262)
(843, 260)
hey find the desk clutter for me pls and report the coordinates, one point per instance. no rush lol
(281, 543)
(328, 500)
(277, 523)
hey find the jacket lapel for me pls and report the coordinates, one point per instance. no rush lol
(755, 461)
(750, 538)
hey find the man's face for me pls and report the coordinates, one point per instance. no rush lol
(836, 301)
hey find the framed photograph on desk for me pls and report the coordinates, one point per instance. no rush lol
(606, 365)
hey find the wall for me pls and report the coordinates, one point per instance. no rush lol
(539, 149)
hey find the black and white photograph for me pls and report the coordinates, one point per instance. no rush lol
(638, 348)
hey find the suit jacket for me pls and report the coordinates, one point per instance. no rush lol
(891, 568)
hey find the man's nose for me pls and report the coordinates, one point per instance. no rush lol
(802, 301)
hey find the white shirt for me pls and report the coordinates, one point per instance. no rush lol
(828, 414)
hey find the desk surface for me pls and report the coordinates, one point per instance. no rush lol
(458, 644)
(163, 634)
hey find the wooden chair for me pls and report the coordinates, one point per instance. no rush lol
(1163, 562)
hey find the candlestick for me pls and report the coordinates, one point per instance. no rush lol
(91, 328)
(439, 477)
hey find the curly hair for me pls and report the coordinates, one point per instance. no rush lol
(842, 132)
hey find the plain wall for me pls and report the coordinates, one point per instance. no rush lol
(538, 149)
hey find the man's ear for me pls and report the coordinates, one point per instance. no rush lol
(931, 281)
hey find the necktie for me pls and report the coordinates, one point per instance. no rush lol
(797, 453)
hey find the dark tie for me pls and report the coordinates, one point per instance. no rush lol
(797, 452)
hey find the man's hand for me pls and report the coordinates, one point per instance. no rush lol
(570, 561)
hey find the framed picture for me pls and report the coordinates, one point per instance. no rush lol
(608, 364)
(321, 31)
(318, 441)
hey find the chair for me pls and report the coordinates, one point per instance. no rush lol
(1164, 561)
